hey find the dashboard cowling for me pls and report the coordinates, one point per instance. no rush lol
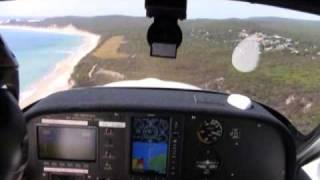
(252, 143)
(152, 83)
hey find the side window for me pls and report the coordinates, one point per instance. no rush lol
(313, 169)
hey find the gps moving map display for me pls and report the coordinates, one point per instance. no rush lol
(60, 143)
(150, 138)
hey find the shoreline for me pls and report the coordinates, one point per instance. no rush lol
(67, 30)
(59, 78)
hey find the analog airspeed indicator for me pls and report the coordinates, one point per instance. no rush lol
(210, 131)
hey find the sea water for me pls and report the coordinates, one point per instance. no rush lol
(38, 52)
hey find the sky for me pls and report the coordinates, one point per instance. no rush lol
(217, 9)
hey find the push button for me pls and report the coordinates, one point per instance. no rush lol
(109, 132)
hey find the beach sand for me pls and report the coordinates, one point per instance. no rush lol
(59, 78)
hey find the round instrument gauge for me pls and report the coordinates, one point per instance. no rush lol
(210, 131)
(150, 132)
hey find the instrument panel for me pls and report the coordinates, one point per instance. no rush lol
(152, 135)
(148, 146)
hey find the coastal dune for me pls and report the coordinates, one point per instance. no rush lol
(59, 78)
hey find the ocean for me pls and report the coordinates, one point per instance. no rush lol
(38, 52)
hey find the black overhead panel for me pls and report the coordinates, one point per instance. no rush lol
(310, 6)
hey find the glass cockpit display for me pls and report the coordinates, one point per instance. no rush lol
(149, 145)
(64, 143)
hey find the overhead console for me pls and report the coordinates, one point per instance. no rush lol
(145, 141)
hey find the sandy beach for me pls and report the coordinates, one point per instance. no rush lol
(59, 78)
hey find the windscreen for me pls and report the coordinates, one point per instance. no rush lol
(269, 54)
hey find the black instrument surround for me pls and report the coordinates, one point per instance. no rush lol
(154, 134)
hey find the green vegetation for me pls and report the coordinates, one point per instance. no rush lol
(288, 77)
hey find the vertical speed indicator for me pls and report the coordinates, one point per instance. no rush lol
(210, 131)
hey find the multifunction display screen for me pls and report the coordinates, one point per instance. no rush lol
(149, 145)
(60, 143)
